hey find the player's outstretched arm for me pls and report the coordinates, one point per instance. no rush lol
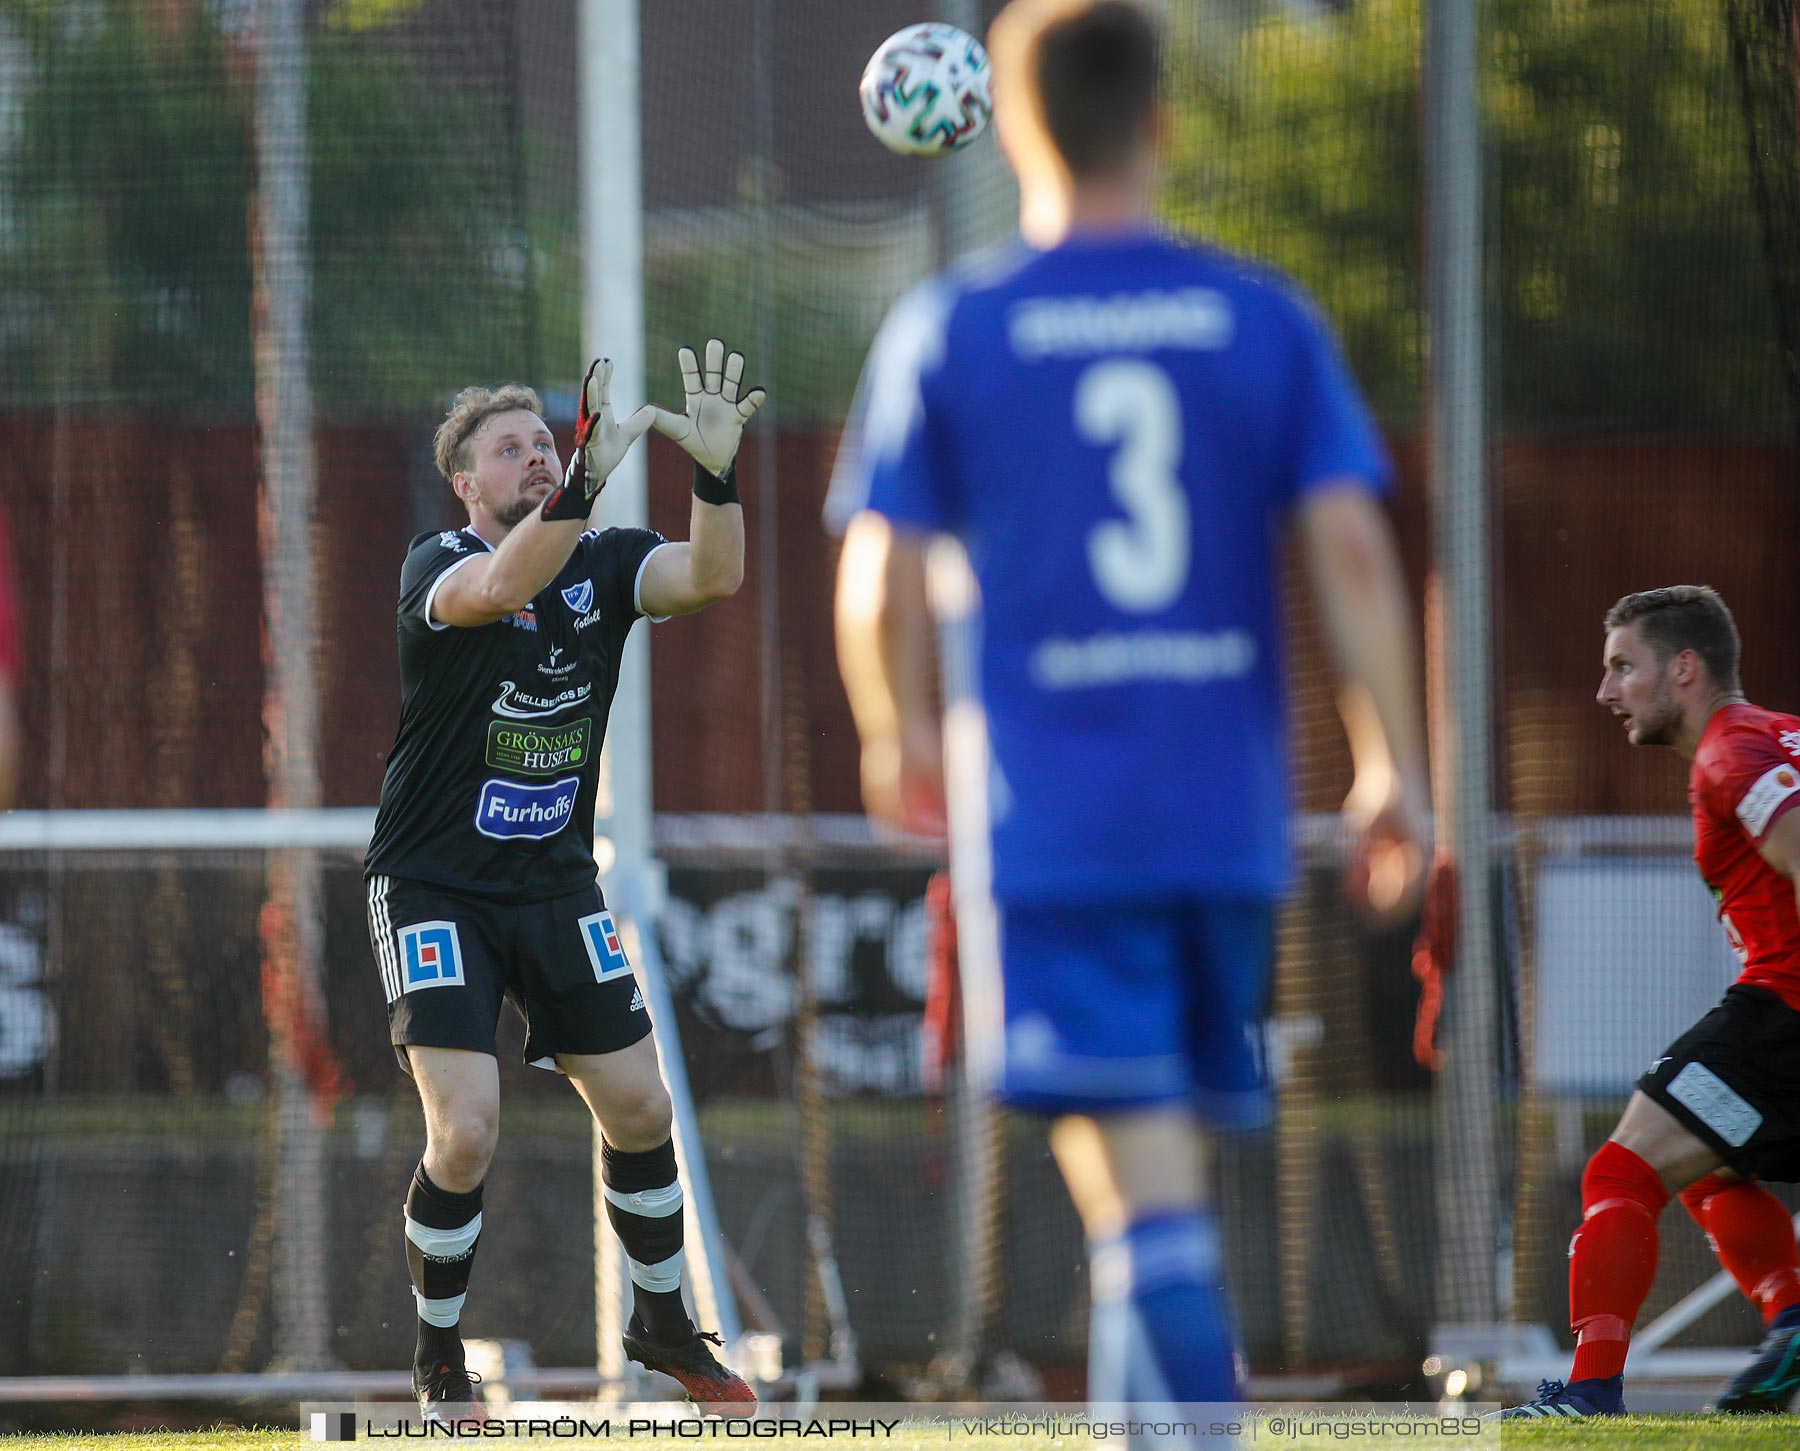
(884, 644)
(500, 584)
(1355, 569)
(686, 577)
(537, 547)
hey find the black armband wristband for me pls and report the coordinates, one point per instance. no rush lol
(717, 488)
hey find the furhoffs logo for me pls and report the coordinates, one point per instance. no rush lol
(509, 810)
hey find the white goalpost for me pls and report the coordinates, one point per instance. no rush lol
(612, 325)
(612, 211)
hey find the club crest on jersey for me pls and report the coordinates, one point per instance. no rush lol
(579, 597)
(604, 949)
(512, 811)
(430, 956)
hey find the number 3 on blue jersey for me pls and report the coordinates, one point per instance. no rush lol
(1141, 562)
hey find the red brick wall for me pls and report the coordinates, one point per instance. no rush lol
(144, 566)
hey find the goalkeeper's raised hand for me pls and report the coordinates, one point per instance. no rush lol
(715, 415)
(600, 442)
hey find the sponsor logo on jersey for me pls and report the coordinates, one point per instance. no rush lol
(1716, 1104)
(533, 750)
(1194, 319)
(592, 617)
(430, 956)
(1735, 938)
(512, 811)
(579, 597)
(515, 704)
(451, 539)
(554, 671)
(1790, 742)
(637, 1001)
(1114, 658)
(525, 619)
(1773, 787)
(604, 949)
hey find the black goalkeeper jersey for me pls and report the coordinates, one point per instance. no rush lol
(490, 786)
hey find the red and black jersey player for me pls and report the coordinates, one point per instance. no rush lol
(1720, 1109)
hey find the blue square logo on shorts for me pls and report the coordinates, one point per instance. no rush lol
(429, 956)
(604, 949)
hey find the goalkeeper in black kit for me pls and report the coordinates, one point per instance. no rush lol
(481, 876)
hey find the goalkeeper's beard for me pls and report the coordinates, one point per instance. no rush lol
(520, 509)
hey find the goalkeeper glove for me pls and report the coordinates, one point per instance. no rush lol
(600, 442)
(715, 416)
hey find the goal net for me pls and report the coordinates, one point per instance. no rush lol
(194, 1078)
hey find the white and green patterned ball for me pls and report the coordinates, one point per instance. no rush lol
(925, 90)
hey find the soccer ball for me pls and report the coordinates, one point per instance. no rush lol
(925, 90)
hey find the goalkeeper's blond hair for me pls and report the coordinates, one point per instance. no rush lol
(472, 408)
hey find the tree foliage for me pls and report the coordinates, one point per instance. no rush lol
(128, 185)
(1632, 267)
(1625, 268)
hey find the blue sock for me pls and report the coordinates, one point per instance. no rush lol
(1162, 1328)
(1787, 1319)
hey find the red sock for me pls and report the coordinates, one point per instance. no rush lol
(1752, 1236)
(1612, 1258)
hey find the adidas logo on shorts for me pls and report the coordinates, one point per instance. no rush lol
(637, 1001)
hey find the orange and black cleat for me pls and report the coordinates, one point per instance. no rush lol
(714, 1388)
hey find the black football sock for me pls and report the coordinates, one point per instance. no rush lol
(442, 1230)
(643, 1201)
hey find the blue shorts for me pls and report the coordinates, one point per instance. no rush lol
(1118, 1007)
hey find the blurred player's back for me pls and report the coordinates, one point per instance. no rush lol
(1118, 429)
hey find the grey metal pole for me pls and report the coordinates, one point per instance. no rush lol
(1467, 1160)
(294, 930)
(612, 325)
(762, 368)
(978, 202)
(977, 192)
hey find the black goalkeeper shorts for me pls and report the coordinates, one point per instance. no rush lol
(448, 961)
(1733, 1079)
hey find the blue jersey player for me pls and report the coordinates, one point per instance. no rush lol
(1119, 429)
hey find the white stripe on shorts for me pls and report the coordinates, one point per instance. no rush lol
(381, 935)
